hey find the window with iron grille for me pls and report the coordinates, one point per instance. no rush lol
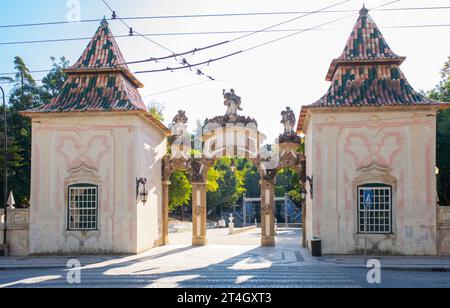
(83, 207)
(376, 212)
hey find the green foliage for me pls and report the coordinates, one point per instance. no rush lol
(212, 184)
(252, 178)
(230, 186)
(157, 110)
(288, 182)
(442, 93)
(54, 81)
(26, 94)
(180, 190)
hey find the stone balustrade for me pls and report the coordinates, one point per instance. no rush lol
(444, 231)
(17, 232)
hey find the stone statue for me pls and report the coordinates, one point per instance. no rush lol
(231, 218)
(179, 122)
(288, 121)
(233, 102)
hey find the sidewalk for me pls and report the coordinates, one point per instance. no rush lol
(393, 263)
(41, 263)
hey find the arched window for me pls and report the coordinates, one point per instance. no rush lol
(375, 209)
(83, 207)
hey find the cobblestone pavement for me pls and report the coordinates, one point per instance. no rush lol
(241, 263)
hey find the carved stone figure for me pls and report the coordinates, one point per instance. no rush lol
(179, 122)
(233, 102)
(288, 121)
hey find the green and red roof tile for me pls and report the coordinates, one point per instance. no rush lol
(99, 81)
(368, 72)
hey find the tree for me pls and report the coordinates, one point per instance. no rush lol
(442, 93)
(180, 191)
(288, 182)
(212, 184)
(252, 178)
(230, 186)
(55, 79)
(26, 94)
(157, 110)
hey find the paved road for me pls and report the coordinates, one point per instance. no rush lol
(241, 264)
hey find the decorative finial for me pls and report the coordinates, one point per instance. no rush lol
(104, 22)
(364, 11)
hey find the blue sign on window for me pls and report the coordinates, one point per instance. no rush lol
(368, 198)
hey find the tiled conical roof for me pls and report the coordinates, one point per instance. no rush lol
(101, 52)
(365, 44)
(368, 72)
(99, 81)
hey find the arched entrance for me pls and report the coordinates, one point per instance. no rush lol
(231, 136)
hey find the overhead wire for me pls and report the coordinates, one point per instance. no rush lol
(56, 23)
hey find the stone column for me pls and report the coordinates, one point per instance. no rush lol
(267, 212)
(199, 214)
(165, 213)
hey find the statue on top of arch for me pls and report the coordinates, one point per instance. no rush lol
(233, 102)
(179, 122)
(288, 120)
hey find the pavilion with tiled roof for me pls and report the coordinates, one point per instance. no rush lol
(367, 74)
(370, 155)
(100, 151)
(100, 81)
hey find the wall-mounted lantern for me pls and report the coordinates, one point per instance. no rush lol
(142, 195)
(310, 180)
(303, 194)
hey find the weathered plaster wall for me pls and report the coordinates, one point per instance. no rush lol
(350, 149)
(151, 147)
(309, 172)
(86, 149)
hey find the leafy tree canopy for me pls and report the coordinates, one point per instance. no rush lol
(442, 93)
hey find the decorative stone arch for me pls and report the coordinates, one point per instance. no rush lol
(82, 175)
(229, 136)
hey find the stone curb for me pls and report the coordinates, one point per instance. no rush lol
(28, 268)
(399, 268)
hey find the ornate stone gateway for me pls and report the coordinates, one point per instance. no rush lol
(231, 136)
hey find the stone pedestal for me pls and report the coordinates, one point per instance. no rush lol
(165, 213)
(231, 228)
(267, 213)
(199, 214)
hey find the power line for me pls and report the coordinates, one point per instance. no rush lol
(249, 49)
(178, 88)
(193, 51)
(31, 72)
(259, 31)
(204, 33)
(199, 72)
(56, 23)
(190, 65)
(184, 61)
(288, 21)
(131, 33)
(256, 46)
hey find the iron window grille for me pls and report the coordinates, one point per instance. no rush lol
(379, 210)
(83, 207)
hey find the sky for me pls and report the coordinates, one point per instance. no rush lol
(290, 72)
